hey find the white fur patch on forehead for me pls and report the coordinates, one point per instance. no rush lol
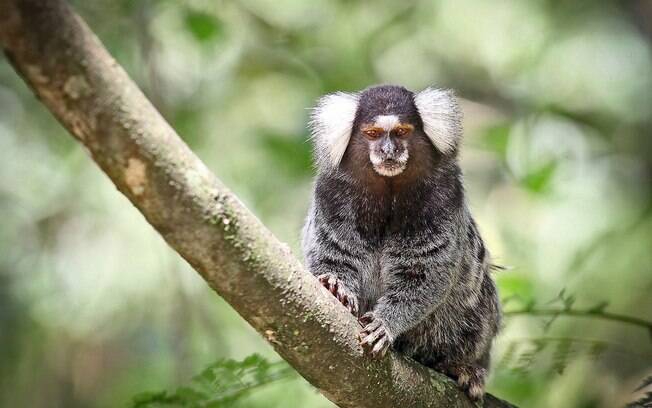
(387, 122)
(441, 117)
(331, 124)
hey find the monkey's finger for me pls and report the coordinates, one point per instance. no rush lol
(353, 307)
(372, 338)
(366, 318)
(344, 300)
(323, 279)
(381, 347)
(369, 341)
(332, 283)
(373, 326)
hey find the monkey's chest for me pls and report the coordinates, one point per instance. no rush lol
(371, 282)
(374, 275)
(379, 225)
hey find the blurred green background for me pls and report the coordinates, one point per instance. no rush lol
(557, 96)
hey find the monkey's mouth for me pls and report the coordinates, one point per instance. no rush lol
(390, 167)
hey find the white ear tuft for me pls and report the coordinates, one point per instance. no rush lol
(441, 117)
(331, 124)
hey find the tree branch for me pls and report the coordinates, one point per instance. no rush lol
(91, 95)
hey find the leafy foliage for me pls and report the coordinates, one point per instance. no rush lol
(552, 354)
(562, 305)
(220, 384)
(556, 353)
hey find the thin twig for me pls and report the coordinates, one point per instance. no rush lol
(556, 312)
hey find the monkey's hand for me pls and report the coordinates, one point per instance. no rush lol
(374, 337)
(340, 291)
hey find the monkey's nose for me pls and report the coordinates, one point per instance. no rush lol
(388, 148)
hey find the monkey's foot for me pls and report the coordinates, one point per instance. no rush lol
(470, 378)
(374, 336)
(337, 288)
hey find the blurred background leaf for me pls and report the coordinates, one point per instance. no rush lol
(203, 26)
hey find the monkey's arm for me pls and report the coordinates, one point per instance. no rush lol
(331, 258)
(417, 279)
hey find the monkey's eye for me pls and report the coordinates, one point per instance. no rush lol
(401, 131)
(372, 133)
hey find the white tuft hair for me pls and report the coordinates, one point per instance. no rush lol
(331, 125)
(441, 117)
(387, 122)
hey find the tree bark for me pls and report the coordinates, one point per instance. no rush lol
(91, 95)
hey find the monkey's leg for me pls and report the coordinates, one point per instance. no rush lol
(340, 291)
(470, 377)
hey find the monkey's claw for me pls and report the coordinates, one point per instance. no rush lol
(374, 336)
(337, 288)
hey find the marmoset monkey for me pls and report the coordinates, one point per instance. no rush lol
(389, 232)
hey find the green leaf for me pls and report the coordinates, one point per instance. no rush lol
(538, 180)
(516, 287)
(154, 399)
(496, 138)
(188, 394)
(204, 27)
(219, 384)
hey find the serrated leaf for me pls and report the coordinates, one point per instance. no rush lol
(220, 383)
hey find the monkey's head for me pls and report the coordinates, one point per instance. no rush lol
(385, 128)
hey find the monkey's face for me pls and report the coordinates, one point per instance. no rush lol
(386, 128)
(388, 146)
(386, 123)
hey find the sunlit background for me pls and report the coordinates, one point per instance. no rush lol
(557, 96)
